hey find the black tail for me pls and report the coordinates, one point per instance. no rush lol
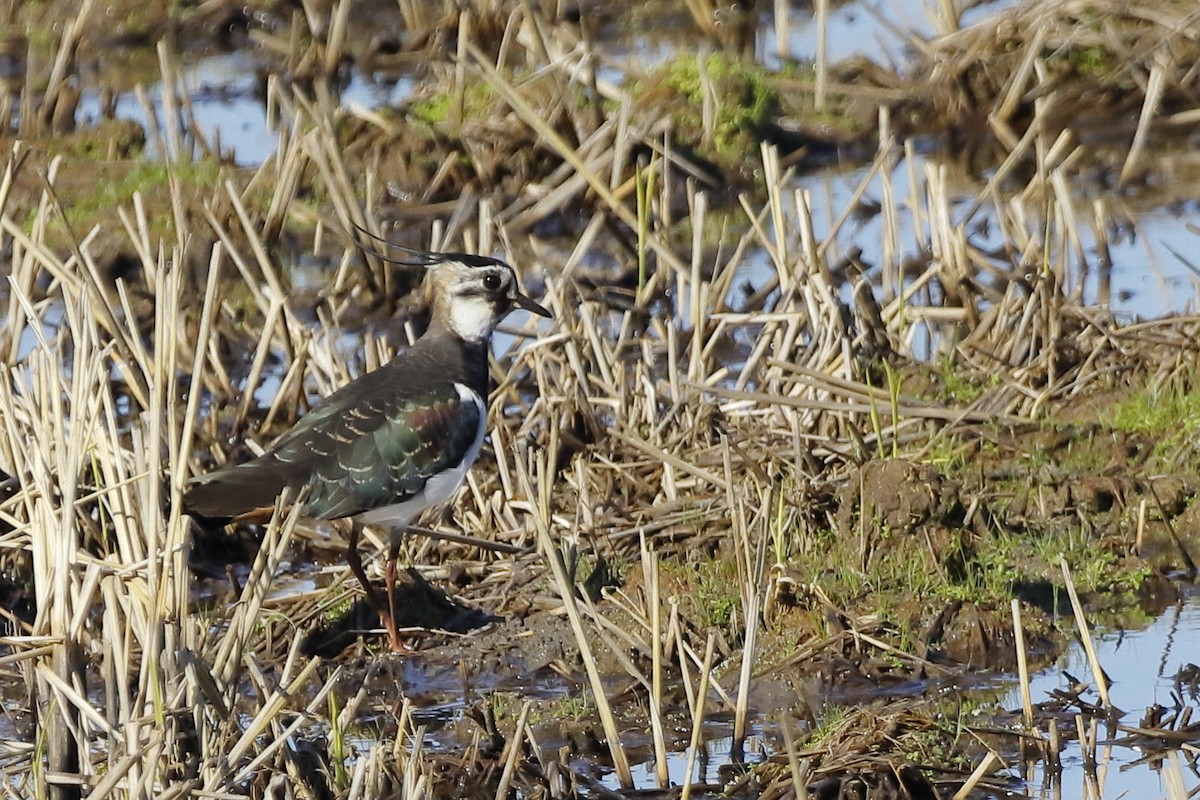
(227, 493)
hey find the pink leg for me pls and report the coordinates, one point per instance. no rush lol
(389, 578)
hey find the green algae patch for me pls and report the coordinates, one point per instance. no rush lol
(151, 179)
(1169, 414)
(716, 104)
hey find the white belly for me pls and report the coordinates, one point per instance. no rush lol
(440, 487)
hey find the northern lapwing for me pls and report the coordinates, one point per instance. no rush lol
(394, 441)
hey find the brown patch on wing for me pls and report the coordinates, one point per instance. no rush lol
(256, 516)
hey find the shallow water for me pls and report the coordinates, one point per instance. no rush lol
(878, 30)
(1142, 665)
(1146, 280)
(714, 763)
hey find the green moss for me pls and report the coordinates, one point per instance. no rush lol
(738, 92)
(1167, 417)
(709, 590)
(143, 176)
(832, 718)
(894, 574)
(718, 593)
(1091, 62)
(438, 108)
(338, 611)
(949, 456)
(960, 387)
(433, 110)
(1171, 410)
(574, 706)
(506, 705)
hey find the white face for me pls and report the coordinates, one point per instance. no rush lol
(471, 300)
(472, 316)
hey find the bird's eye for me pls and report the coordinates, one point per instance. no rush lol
(491, 282)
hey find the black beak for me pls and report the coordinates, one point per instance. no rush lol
(524, 302)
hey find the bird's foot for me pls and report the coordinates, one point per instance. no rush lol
(397, 644)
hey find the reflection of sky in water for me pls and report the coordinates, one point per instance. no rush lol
(49, 317)
(1142, 665)
(714, 753)
(228, 106)
(874, 29)
(877, 29)
(1145, 266)
(1147, 279)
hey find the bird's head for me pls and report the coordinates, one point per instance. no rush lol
(469, 294)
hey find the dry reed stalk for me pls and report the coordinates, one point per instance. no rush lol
(698, 718)
(273, 319)
(64, 60)
(290, 159)
(512, 750)
(1022, 664)
(1085, 637)
(654, 604)
(79, 272)
(567, 595)
(984, 768)
(267, 269)
(821, 20)
(945, 17)
(1150, 104)
(177, 149)
(685, 674)
(1017, 85)
(55, 414)
(798, 767)
(704, 15)
(1173, 778)
(65, 586)
(752, 562)
(336, 39)
(1087, 748)
(267, 720)
(1052, 749)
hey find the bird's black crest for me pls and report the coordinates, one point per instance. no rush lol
(375, 245)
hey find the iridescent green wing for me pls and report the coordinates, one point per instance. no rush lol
(382, 451)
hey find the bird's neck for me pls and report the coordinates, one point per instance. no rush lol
(451, 356)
